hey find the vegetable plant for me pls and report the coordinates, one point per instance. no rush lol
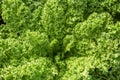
(59, 40)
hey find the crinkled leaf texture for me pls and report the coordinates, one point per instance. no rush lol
(60, 40)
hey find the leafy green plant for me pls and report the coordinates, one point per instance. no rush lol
(60, 40)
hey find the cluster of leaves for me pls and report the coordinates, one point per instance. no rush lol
(38, 69)
(60, 40)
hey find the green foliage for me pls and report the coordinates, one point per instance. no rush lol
(60, 40)
(21, 15)
(30, 45)
(41, 68)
